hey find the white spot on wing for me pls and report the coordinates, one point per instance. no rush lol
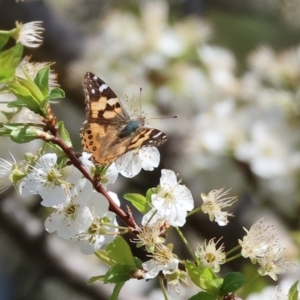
(157, 135)
(95, 77)
(93, 91)
(103, 87)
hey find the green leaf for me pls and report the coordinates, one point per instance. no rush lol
(202, 277)
(30, 85)
(103, 256)
(139, 202)
(96, 278)
(23, 134)
(118, 273)
(116, 291)
(24, 98)
(232, 282)
(293, 292)
(119, 252)
(9, 60)
(42, 80)
(3, 39)
(64, 134)
(203, 296)
(56, 93)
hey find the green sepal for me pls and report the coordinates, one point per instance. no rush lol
(232, 282)
(96, 278)
(118, 273)
(138, 262)
(56, 148)
(62, 161)
(116, 291)
(293, 292)
(9, 60)
(120, 252)
(4, 36)
(64, 134)
(138, 201)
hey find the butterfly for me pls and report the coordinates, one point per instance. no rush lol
(108, 131)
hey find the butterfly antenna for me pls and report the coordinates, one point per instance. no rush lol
(141, 88)
(167, 117)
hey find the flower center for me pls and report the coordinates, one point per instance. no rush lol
(71, 211)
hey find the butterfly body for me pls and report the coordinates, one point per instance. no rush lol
(108, 131)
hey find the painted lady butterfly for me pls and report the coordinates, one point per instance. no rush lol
(108, 131)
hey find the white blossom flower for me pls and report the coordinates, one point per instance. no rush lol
(214, 202)
(103, 228)
(272, 263)
(172, 201)
(210, 255)
(6, 168)
(73, 216)
(257, 240)
(163, 261)
(45, 179)
(131, 163)
(266, 152)
(29, 34)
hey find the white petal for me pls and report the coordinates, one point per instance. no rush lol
(183, 197)
(154, 218)
(221, 218)
(111, 174)
(150, 158)
(129, 164)
(52, 196)
(83, 191)
(98, 204)
(47, 160)
(152, 267)
(168, 179)
(114, 196)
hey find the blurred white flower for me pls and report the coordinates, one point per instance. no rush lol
(267, 154)
(273, 263)
(6, 169)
